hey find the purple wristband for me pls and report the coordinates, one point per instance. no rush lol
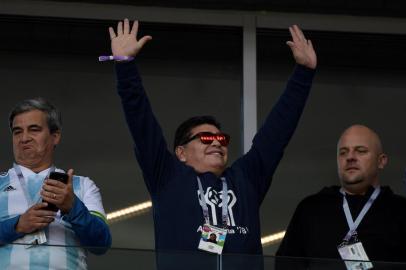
(117, 58)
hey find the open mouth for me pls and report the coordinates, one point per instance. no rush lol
(216, 153)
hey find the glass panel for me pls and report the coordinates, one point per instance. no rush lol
(116, 258)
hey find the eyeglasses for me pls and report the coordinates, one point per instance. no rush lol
(208, 138)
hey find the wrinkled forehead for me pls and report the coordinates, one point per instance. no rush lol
(204, 128)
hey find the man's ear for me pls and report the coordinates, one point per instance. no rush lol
(180, 153)
(382, 161)
(56, 137)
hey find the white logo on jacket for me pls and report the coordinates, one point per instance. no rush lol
(214, 201)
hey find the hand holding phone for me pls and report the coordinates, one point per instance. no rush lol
(58, 176)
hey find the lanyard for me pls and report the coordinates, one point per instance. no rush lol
(354, 225)
(23, 184)
(224, 198)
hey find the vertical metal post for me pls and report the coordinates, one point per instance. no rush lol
(249, 95)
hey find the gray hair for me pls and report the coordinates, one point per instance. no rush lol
(53, 116)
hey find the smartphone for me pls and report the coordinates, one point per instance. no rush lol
(58, 176)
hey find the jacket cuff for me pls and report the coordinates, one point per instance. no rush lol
(8, 230)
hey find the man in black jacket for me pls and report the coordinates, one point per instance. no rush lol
(328, 219)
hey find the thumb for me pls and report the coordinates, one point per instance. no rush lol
(310, 44)
(291, 45)
(70, 174)
(144, 40)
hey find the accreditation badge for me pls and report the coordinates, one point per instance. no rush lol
(355, 256)
(212, 239)
(32, 239)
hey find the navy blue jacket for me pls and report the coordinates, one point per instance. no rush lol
(173, 185)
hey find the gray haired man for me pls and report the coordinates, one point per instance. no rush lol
(26, 191)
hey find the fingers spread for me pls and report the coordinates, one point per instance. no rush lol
(299, 32)
(126, 26)
(112, 34)
(295, 37)
(134, 29)
(119, 28)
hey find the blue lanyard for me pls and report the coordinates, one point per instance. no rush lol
(23, 184)
(224, 198)
(354, 225)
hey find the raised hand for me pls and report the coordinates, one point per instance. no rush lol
(35, 218)
(58, 193)
(124, 42)
(302, 48)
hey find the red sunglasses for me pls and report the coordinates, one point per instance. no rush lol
(208, 138)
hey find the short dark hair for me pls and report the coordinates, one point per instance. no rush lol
(54, 119)
(183, 132)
